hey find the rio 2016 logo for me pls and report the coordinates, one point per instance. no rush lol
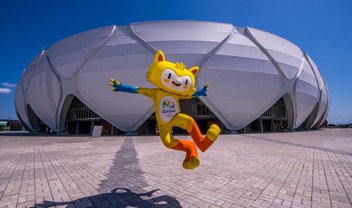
(168, 108)
(169, 104)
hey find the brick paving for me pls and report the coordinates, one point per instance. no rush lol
(301, 169)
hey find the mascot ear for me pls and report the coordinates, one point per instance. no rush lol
(159, 56)
(194, 70)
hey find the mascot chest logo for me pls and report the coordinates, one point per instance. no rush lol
(167, 108)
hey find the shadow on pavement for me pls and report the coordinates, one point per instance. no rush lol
(118, 197)
(124, 171)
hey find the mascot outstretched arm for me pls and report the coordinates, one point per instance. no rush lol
(173, 81)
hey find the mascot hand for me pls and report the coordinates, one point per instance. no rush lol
(201, 92)
(117, 86)
(114, 84)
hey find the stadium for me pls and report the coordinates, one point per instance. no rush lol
(258, 82)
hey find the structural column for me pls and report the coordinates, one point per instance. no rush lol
(112, 130)
(77, 128)
(272, 125)
(261, 125)
(91, 127)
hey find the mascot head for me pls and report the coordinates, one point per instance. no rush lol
(172, 77)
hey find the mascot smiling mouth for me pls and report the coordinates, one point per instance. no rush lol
(176, 84)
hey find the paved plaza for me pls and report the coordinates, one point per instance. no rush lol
(301, 169)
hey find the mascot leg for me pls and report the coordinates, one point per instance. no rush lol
(203, 143)
(191, 160)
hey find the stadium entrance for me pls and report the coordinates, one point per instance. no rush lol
(81, 120)
(275, 119)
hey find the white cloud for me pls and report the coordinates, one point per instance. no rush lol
(5, 90)
(11, 85)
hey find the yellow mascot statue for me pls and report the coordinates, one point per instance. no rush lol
(173, 81)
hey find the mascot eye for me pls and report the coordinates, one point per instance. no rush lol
(169, 76)
(186, 82)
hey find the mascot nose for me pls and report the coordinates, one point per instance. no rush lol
(179, 80)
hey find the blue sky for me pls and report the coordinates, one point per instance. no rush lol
(321, 28)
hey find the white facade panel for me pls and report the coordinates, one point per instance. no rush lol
(21, 105)
(323, 103)
(236, 81)
(43, 94)
(183, 41)
(316, 72)
(69, 54)
(306, 94)
(286, 54)
(26, 76)
(129, 67)
(182, 30)
(326, 112)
